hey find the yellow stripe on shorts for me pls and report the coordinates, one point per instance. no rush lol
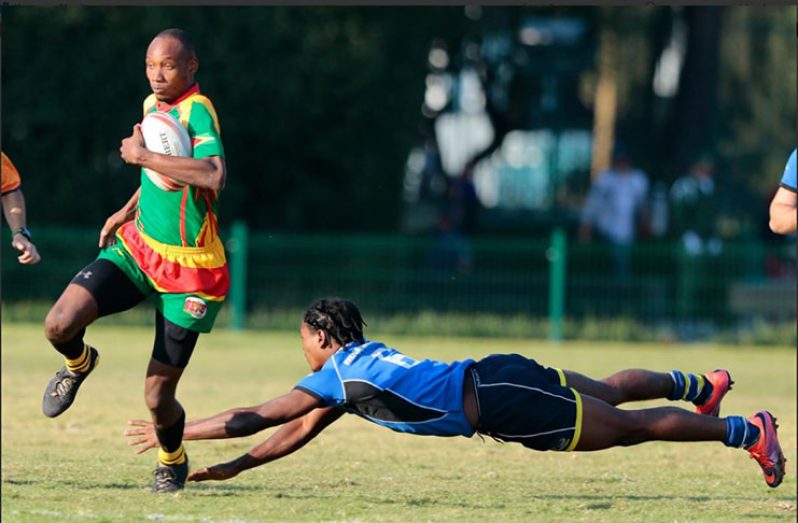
(562, 377)
(578, 423)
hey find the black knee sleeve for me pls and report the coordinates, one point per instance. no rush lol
(173, 344)
(109, 286)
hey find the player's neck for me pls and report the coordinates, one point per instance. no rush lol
(166, 105)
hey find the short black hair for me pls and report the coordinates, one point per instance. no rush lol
(337, 317)
(181, 36)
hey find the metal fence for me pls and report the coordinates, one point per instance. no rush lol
(540, 277)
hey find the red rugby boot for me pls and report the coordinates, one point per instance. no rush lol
(767, 451)
(721, 384)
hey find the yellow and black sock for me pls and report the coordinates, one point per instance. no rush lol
(177, 457)
(80, 364)
(689, 387)
(171, 440)
(73, 348)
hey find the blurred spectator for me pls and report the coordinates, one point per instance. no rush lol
(659, 210)
(433, 178)
(451, 251)
(783, 207)
(456, 223)
(615, 207)
(463, 202)
(694, 211)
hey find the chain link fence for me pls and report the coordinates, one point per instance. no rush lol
(663, 287)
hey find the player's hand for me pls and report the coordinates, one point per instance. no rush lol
(217, 472)
(108, 232)
(132, 148)
(30, 255)
(146, 435)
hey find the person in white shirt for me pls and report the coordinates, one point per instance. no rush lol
(615, 206)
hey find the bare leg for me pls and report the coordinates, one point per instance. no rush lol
(78, 307)
(64, 327)
(170, 354)
(604, 426)
(159, 393)
(74, 311)
(626, 385)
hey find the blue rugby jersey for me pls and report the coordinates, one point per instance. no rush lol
(382, 385)
(788, 179)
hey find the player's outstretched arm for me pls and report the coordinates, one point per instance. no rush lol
(119, 218)
(232, 423)
(206, 173)
(783, 212)
(291, 437)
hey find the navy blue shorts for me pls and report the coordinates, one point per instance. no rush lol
(520, 400)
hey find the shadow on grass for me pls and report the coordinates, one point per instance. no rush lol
(596, 501)
(216, 490)
(606, 499)
(70, 483)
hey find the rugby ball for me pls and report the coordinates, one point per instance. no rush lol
(164, 134)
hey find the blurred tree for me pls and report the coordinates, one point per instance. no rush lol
(691, 129)
(320, 105)
(756, 125)
(514, 75)
(640, 35)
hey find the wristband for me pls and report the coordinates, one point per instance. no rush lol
(21, 230)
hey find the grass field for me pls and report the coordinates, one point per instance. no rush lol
(78, 467)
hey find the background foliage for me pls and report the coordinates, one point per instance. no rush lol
(319, 106)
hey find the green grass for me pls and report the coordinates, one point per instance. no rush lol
(755, 331)
(78, 467)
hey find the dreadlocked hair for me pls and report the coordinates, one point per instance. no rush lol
(337, 317)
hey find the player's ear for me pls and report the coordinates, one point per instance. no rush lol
(193, 65)
(324, 339)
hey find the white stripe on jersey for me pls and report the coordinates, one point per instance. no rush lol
(481, 385)
(533, 435)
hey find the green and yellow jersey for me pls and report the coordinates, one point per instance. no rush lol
(174, 239)
(186, 216)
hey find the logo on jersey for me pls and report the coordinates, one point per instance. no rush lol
(195, 307)
(349, 359)
(392, 356)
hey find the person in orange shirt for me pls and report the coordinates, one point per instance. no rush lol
(14, 211)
